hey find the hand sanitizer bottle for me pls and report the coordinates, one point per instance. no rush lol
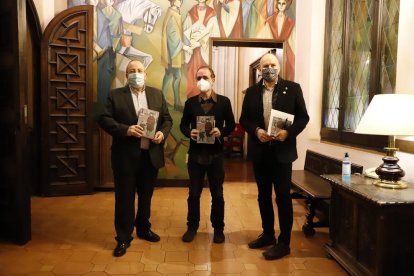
(346, 167)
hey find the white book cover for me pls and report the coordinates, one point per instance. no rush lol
(279, 120)
(205, 125)
(147, 119)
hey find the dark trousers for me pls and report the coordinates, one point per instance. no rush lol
(271, 173)
(215, 176)
(136, 175)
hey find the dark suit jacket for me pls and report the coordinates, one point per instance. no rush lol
(119, 114)
(289, 100)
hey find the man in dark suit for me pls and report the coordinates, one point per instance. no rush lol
(272, 156)
(206, 158)
(135, 159)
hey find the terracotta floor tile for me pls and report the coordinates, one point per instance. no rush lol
(150, 267)
(253, 273)
(227, 267)
(176, 256)
(124, 268)
(175, 268)
(72, 268)
(75, 235)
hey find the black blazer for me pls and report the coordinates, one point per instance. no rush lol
(119, 113)
(224, 121)
(290, 100)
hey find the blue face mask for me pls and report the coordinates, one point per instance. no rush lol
(136, 79)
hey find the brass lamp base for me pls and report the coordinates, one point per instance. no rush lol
(390, 174)
(390, 184)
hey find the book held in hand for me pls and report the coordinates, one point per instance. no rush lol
(279, 120)
(205, 125)
(147, 119)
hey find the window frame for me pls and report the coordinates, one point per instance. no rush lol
(341, 135)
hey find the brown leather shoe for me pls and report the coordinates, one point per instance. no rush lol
(277, 251)
(262, 241)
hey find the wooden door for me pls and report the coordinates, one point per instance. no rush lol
(14, 144)
(67, 124)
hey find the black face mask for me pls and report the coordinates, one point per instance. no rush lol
(269, 74)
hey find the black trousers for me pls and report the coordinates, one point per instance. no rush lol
(215, 176)
(271, 173)
(135, 175)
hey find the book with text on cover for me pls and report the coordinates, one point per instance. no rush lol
(205, 125)
(147, 119)
(279, 120)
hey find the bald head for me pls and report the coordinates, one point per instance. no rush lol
(269, 61)
(135, 66)
(270, 67)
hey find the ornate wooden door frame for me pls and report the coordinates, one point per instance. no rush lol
(66, 100)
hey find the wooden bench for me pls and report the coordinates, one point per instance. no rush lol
(307, 184)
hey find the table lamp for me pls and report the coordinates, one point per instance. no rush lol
(391, 115)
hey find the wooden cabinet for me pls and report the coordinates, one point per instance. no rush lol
(371, 228)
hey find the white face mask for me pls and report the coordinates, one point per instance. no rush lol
(136, 79)
(203, 85)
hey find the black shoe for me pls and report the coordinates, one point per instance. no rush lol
(261, 241)
(121, 249)
(218, 237)
(148, 236)
(189, 235)
(276, 252)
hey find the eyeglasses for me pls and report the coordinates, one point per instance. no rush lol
(202, 77)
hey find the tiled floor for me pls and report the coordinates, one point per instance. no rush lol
(75, 236)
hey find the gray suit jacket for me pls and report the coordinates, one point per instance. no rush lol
(119, 113)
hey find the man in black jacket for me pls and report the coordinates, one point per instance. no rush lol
(206, 158)
(272, 156)
(135, 159)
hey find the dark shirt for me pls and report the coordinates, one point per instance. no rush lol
(209, 103)
(220, 108)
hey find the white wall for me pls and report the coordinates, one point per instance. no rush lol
(310, 22)
(47, 9)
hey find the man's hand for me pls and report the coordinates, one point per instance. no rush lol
(263, 136)
(135, 130)
(215, 132)
(281, 135)
(194, 134)
(159, 136)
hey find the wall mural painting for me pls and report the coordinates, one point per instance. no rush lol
(171, 38)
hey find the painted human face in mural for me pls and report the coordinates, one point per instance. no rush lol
(177, 3)
(281, 5)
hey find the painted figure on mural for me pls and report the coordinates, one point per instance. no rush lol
(103, 49)
(282, 27)
(230, 18)
(172, 57)
(137, 15)
(255, 17)
(199, 25)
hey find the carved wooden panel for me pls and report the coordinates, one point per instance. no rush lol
(67, 103)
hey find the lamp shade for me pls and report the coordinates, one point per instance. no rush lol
(388, 114)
